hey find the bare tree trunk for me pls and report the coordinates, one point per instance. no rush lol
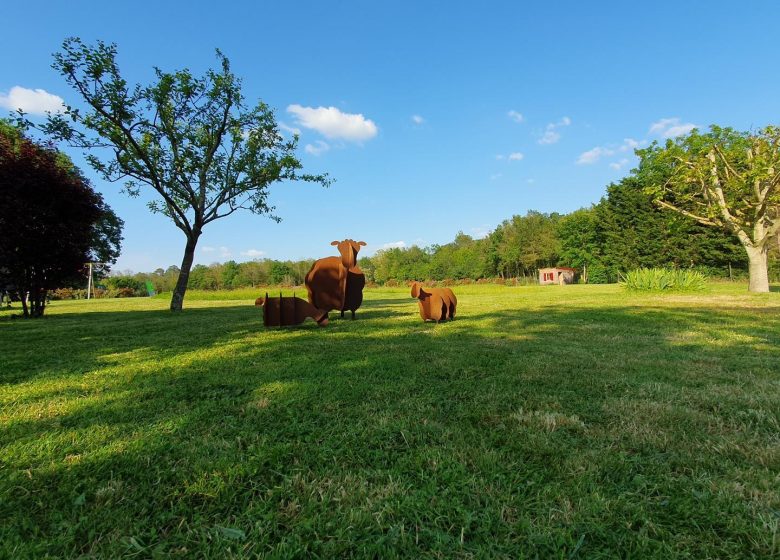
(37, 301)
(759, 276)
(177, 300)
(23, 297)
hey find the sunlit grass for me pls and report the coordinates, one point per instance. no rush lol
(576, 421)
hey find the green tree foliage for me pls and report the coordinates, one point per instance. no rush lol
(51, 221)
(638, 234)
(280, 272)
(523, 244)
(400, 264)
(252, 274)
(723, 179)
(191, 140)
(463, 258)
(626, 230)
(229, 273)
(203, 278)
(124, 286)
(582, 244)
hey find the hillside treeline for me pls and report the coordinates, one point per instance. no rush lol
(622, 232)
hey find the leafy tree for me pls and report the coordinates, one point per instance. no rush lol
(626, 230)
(368, 267)
(192, 140)
(51, 221)
(724, 179)
(581, 241)
(229, 271)
(127, 284)
(526, 243)
(252, 273)
(201, 278)
(463, 258)
(280, 272)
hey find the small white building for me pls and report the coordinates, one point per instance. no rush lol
(559, 275)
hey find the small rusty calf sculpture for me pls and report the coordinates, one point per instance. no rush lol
(284, 311)
(337, 282)
(436, 304)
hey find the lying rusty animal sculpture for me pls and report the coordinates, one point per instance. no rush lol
(337, 282)
(285, 311)
(436, 304)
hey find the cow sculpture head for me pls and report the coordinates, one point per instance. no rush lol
(417, 291)
(348, 249)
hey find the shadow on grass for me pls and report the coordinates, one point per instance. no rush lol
(548, 431)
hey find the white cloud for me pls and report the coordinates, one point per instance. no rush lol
(318, 148)
(551, 134)
(530, 181)
(480, 231)
(417, 119)
(676, 131)
(659, 127)
(593, 155)
(33, 101)
(550, 137)
(671, 127)
(224, 252)
(629, 144)
(617, 165)
(253, 253)
(394, 245)
(332, 123)
(515, 116)
(288, 128)
(514, 156)
(495, 176)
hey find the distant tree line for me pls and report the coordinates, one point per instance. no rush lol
(217, 276)
(622, 232)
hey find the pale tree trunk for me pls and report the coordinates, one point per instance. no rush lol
(759, 276)
(177, 300)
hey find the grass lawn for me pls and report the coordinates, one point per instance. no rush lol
(550, 422)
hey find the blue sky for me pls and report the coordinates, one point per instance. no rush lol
(432, 118)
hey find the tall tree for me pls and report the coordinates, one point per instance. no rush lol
(581, 240)
(526, 243)
(192, 140)
(725, 179)
(51, 221)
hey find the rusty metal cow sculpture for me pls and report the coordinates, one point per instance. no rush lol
(436, 304)
(337, 282)
(285, 311)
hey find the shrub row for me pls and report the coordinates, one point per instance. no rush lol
(660, 279)
(74, 293)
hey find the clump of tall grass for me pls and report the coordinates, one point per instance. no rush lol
(663, 279)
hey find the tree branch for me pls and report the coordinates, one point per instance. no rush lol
(700, 219)
(129, 138)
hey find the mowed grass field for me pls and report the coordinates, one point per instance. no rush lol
(543, 422)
